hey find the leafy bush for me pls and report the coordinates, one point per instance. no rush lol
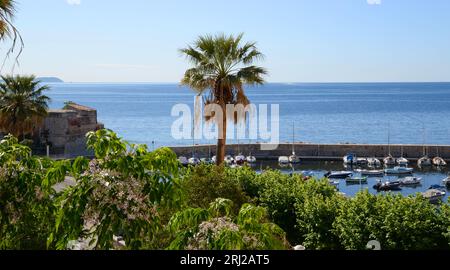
(205, 183)
(216, 229)
(26, 212)
(397, 222)
(120, 193)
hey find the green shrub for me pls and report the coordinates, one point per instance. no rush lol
(27, 209)
(205, 183)
(216, 228)
(397, 222)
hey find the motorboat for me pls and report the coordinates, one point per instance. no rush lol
(307, 173)
(294, 159)
(446, 182)
(240, 159)
(373, 162)
(350, 159)
(356, 180)
(251, 159)
(425, 161)
(334, 183)
(184, 161)
(434, 195)
(206, 161)
(387, 186)
(283, 160)
(194, 161)
(402, 161)
(372, 173)
(389, 161)
(438, 161)
(399, 170)
(362, 161)
(229, 160)
(411, 181)
(339, 175)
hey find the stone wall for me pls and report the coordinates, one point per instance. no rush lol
(66, 130)
(321, 151)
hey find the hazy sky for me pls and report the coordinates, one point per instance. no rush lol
(303, 40)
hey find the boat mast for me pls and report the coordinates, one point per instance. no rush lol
(424, 141)
(389, 138)
(293, 138)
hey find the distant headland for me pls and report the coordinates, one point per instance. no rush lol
(50, 80)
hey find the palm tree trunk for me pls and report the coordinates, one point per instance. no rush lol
(221, 142)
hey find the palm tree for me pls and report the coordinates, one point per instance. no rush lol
(23, 106)
(222, 65)
(7, 28)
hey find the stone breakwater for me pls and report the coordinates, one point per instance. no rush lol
(320, 151)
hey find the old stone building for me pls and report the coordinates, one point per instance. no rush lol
(65, 130)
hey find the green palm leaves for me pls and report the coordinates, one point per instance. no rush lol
(7, 28)
(222, 65)
(23, 105)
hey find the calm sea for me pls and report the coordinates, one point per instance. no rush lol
(323, 113)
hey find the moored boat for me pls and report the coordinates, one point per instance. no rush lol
(283, 160)
(438, 161)
(374, 162)
(334, 183)
(399, 170)
(194, 161)
(206, 160)
(425, 161)
(389, 161)
(411, 181)
(229, 160)
(434, 195)
(372, 173)
(294, 159)
(251, 159)
(339, 175)
(356, 180)
(402, 161)
(362, 161)
(387, 186)
(240, 159)
(184, 161)
(446, 182)
(350, 159)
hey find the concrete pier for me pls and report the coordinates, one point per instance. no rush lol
(308, 151)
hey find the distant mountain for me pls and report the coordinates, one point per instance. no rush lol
(50, 80)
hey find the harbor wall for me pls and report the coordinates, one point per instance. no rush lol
(320, 151)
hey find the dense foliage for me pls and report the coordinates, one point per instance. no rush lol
(130, 198)
(215, 228)
(23, 105)
(26, 206)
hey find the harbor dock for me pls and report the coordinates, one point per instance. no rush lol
(325, 152)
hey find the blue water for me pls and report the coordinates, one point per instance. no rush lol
(323, 113)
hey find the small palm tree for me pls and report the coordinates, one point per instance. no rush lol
(23, 106)
(222, 65)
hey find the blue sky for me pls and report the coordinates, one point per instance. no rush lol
(303, 40)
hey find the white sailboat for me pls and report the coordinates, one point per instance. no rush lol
(294, 159)
(250, 158)
(389, 160)
(402, 161)
(240, 158)
(425, 160)
(373, 162)
(438, 161)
